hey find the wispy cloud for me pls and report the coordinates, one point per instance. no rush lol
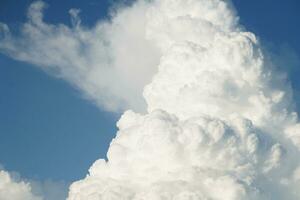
(110, 62)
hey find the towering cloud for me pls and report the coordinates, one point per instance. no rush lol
(220, 121)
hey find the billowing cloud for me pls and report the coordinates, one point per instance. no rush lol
(16, 190)
(220, 121)
(110, 62)
(220, 124)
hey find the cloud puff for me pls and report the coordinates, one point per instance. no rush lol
(14, 187)
(110, 62)
(158, 156)
(11, 189)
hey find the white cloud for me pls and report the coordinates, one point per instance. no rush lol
(220, 123)
(15, 190)
(14, 187)
(110, 62)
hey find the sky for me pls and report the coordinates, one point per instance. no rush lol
(42, 115)
(50, 131)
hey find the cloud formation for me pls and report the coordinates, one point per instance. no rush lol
(14, 187)
(220, 124)
(110, 62)
(220, 121)
(11, 189)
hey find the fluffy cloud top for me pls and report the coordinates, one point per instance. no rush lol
(220, 123)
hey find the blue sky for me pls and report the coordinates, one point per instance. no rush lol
(49, 131)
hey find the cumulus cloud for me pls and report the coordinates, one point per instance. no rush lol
(220, 124)
(110, 62)
(14, 187)
(220, 121)
(16, 190)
